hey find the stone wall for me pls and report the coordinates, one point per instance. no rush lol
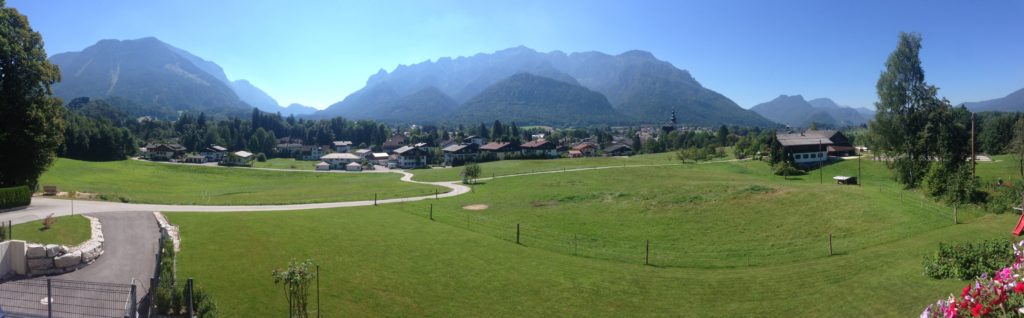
(54, 259)
(170, 229)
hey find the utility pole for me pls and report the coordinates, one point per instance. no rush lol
(859, 179)
(973, 163)
(821, 165)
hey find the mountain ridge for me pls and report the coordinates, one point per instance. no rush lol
(635, 82)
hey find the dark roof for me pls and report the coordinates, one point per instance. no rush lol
(215, 148)
(395, 141)
(456, 148)
(408, 150)
(616, 148)
(807, 138)
(583, 145)
(495, 146)
(539, 143)
(165, 147)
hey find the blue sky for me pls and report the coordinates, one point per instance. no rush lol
(317, 52)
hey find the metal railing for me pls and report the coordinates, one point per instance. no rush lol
(44, 297)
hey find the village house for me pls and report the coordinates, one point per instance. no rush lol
(499, 150)
(338, 160)
(313, 152)
(458, 154)
(323, 166)
(213, 153)
(238, 158)
(193, 158)
(342, 146)
(474, 139)
(379, 158)
(618, 150)
(354, 166)
(585, 149)
(540, 149)
(395, 142)
(814, 146)
(163, 152)
(410, 157)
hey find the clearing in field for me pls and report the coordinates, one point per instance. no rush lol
(162, 183)
(725, 240)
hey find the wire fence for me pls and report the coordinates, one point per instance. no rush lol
(917, 214)
(65, 298)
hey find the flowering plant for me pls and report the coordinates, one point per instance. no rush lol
(1001, 294)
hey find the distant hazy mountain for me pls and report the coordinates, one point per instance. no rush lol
(256, 97)
(797, 112)
(158, 76)
(1014, 102)
(147, 72)
(299, 109)
(531, 99)
(635, 83)
(427, 105)
(793, 111)
(843, 115)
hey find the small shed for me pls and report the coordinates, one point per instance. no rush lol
(845, 180)
(323, 166)
(355, 166)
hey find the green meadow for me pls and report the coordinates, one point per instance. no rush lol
(68, 230)
(726, 240)
(148, 182)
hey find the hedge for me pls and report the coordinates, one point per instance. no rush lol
(15, 197)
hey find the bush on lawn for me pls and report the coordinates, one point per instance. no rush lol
(787, 169)
(969, 260)
(15, 197)
(171, 296)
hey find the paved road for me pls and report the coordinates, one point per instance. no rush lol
(42, 206)
(129, 250)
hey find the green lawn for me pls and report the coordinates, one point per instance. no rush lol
(286, 163)
(507, 167)
(1003, 167)
(727, 241)
(147, 182)
(69, 230)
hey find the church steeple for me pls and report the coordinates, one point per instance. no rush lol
(671, 125)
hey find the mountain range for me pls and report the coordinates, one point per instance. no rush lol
(160, 78)
(639, 87)
(797, 112)
(1014, 102)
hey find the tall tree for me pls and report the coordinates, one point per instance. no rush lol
(904, 99)
(31, 125)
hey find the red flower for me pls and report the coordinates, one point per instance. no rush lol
(976, 310)
(1019, 287)
(966, 290)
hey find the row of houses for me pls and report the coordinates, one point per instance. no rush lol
(473, 149)
(211, 153)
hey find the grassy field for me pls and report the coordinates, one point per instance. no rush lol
(727, 241)
(147, 182)
(285, 163)
(69, 230)
(507, 167)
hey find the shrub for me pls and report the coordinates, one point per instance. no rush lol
(1002, 199)
(296, 280)
(968, 260)
(787, 169)
(261, 157)
(15, 197)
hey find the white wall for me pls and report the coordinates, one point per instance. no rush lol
(12, 258)
(815, 157)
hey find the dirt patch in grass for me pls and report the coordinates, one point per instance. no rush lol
(476, 207)
(538, 204)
